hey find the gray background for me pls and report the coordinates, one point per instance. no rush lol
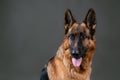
(32, 30)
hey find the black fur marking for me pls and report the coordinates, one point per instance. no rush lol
(80, 50)
(66, 30)
(92, 31)
(90, 21)
(69, 20)
(51, 58)
(44, 74)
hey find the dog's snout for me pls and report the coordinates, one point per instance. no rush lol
(75, 52)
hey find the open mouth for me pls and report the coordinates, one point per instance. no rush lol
(77, 58)
(76, 61)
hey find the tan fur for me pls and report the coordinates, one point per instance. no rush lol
(61, 68)
(80, 36)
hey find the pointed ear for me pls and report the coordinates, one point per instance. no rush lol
(90, 20)
(69, 20)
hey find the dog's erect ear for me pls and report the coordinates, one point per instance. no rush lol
(69, 20)
(90, 20)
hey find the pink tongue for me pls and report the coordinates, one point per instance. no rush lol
(77, 62)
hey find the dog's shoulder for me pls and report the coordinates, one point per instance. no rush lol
(51, 58)
(44, 73)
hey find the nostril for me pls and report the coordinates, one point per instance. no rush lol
(75, 52)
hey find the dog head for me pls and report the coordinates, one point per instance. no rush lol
(79, 37)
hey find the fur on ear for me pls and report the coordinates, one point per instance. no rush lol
(69, 20)
(90, 20)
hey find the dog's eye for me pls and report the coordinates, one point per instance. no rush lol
(72, 36)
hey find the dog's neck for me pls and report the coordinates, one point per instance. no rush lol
(83, 69)
(66, 61)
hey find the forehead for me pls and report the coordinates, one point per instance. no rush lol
(77, 27)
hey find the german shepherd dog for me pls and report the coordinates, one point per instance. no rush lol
(74, 57)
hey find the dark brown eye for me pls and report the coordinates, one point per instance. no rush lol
(72, 36)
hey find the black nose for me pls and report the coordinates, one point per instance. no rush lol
(75, 54)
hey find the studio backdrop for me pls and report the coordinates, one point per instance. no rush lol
(32, 30)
